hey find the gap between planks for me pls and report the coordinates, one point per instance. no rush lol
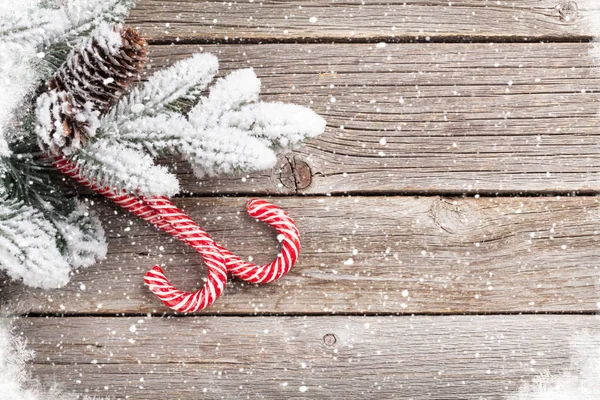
(372, 255)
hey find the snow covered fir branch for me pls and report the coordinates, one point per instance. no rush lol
(78, 89)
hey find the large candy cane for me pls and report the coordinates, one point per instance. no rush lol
(161, 212)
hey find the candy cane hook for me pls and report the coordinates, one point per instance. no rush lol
(288, 235)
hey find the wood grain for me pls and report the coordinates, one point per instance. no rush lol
(354, 20)
(360, 255)
(456, 118)
(467, 357)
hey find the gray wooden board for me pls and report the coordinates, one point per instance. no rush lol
(456, 118)
(355, 20)
(452, 357)
(359, 255)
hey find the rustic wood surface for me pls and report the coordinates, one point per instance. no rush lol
(355, 20)
(456, 118)
(465, 357)
(360, 255)
(496, 98)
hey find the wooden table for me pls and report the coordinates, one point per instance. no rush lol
(450, 226)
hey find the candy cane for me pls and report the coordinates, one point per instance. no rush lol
(161, 212)
(171, 297)
(289, 236)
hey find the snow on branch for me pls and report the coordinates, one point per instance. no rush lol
(217, 150)
(226, 150)
(281, 125)
(31, 21)
(123, 168)
(184, 79)
(46, 21)
(232, 103)
(28, 246)
(18, 80)
(83, 235)
(86, 14)
(230, 93)
(4, 150)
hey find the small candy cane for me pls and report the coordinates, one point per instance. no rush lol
(288, 234)
(161, 212)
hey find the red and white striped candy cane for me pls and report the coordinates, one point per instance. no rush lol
(290, 245)
(170, 296)
(161, 212)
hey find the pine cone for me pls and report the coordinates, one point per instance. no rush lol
(103, 68)
(61, 125)
(94, 77)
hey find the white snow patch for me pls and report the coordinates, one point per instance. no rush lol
(16, 381)
(579, 382)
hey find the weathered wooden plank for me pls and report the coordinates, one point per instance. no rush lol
(354, 20)
(468, 357)
(413, 118)
(360, 255)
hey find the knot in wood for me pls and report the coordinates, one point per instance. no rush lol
(329, 339)
(454, 216)
(295, 173)
(568, 10)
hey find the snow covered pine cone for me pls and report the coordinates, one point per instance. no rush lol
(92, 79)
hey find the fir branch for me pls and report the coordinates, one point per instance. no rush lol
(279, 124)
(225, 132)
(28, 248)
(210, 151)
(124, 168)
(83, 236)
(87, 14)
(230, 93)
(30, 178)
(31, 22)
(19, 79)
(39, 22)
(232, 104)
(185, 79)
(225, 150)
